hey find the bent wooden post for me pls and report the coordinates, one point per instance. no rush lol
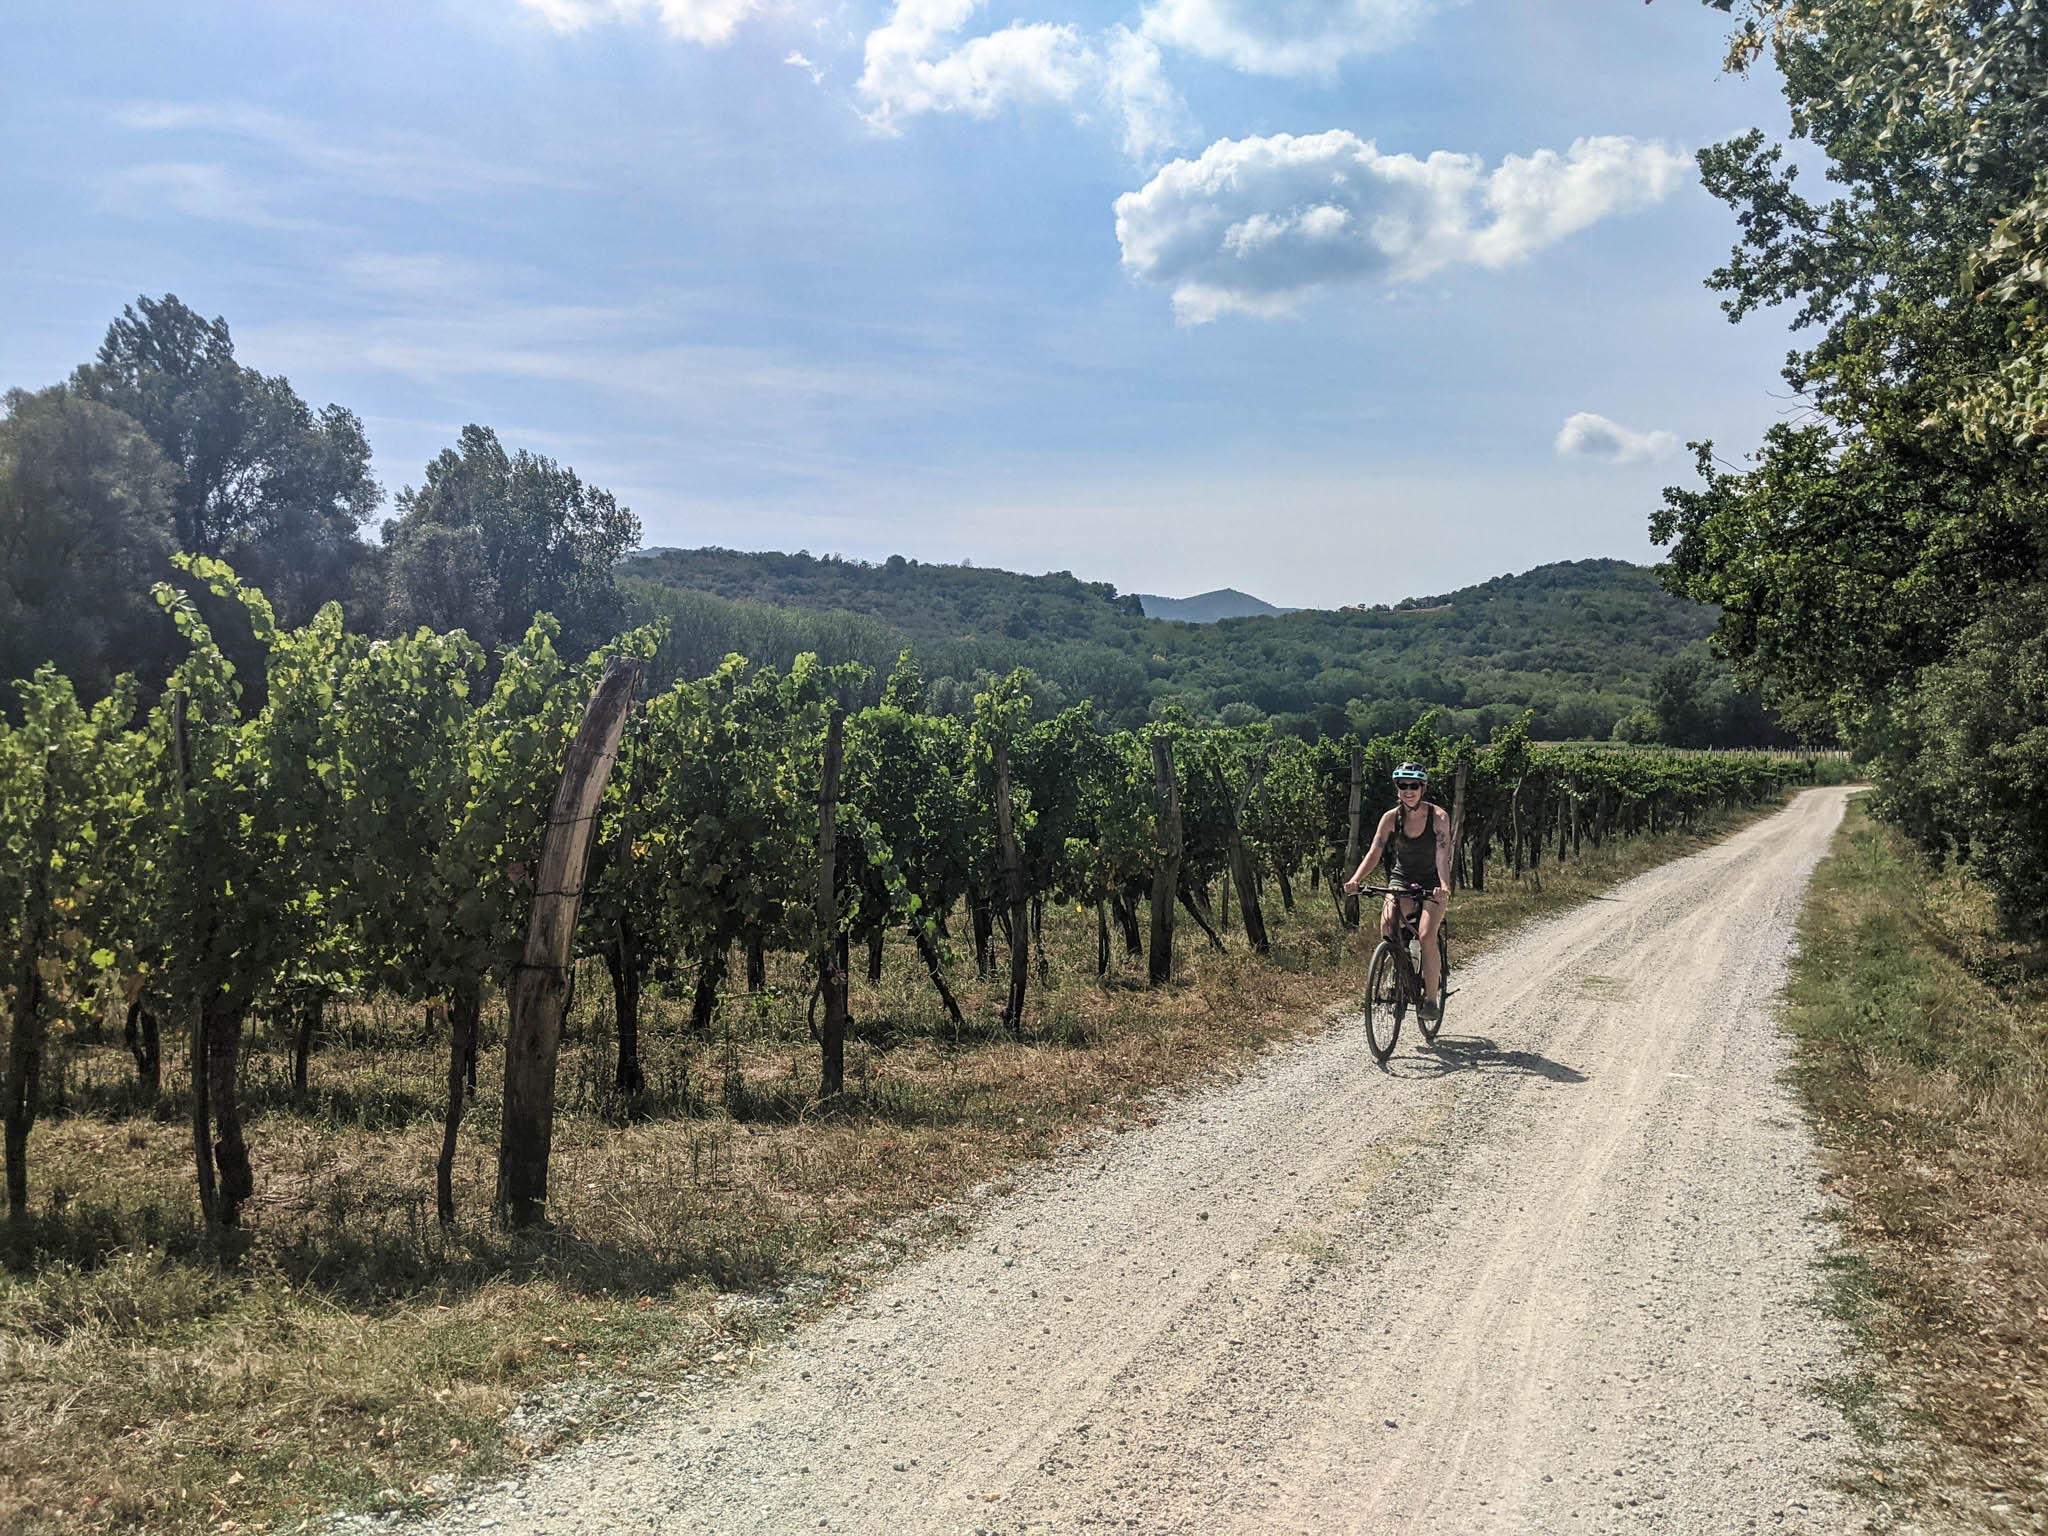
(1166, 878)
(540, 983)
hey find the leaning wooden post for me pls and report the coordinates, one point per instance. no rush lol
(540, 982)
(1352, 851)
(831, 948)
(1013, 878)
(1166, 877)
(1241, 864)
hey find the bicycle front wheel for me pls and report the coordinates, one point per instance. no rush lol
(1384, 1003)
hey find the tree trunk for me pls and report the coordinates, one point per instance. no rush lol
(1166, 878)
(311, 1011)
(202, 1121)
(757, 961)
(1101, 939)
(1013, 878)
(463, 1009)
(929, 953)
(622, 959)
(539, 993)
(1187, 899)
(831, 941)
(704, 998)
(875, 958)
(1124, 904)
(1286, 887)
(1353, 847)
(984, 929)
(1223, 907)
(223, 1021)
(25, 1048)
(145, 1045)
(1038, 933)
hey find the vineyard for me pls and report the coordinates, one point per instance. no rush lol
(379, 826)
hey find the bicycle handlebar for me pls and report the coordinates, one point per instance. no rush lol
(1413, 892)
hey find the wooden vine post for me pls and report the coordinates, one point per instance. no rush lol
(1013, 880)
(1166, 877)
(1352, 849)
(1458, 819)
(1241, 865)
(540, 982)
(831, 940)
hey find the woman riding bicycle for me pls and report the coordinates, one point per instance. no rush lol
(1419, 834)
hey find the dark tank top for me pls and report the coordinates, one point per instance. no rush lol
(1415, 857)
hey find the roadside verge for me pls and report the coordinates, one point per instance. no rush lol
(1922, 1055)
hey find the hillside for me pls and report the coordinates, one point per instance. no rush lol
(1579, 642)
(1207, 607)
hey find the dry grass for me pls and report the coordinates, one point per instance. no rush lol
(349, 1353)
(1924, 1058)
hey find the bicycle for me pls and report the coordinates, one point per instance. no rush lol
(1394, 978)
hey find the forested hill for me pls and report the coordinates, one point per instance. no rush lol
(1591, 645)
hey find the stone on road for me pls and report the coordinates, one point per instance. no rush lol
(1556, 1273)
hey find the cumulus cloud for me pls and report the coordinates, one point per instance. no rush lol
(1588, 436)
(1255, 225)
(1283, 37)
(709, 22)
(917, 63)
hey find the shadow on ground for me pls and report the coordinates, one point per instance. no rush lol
(1475, 1053)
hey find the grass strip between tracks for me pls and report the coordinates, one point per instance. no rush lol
(352, 1355)
(1923, 1058)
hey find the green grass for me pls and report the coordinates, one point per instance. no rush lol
(1923, 1058)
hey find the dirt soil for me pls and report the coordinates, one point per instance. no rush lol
(1556, 1273)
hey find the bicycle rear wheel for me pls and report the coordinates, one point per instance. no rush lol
(1385, 1002)
(1431, 1028)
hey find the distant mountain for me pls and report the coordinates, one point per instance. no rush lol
(1208, 607)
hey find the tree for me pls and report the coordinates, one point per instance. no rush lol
(1858, 555)
(265, 482)
(85, 528)
(489, 539)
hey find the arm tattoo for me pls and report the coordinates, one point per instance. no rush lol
(1443, 848)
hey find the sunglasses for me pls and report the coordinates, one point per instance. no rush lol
(1402, 789)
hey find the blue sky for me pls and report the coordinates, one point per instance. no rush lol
(1296, 297)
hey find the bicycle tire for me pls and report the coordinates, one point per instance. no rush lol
(1385, 1002)
(1431, 1028)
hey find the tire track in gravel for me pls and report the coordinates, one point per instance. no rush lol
(1553, 1274)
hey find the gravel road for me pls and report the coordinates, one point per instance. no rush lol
(1554, 1275)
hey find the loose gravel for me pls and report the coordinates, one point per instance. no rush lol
(1556, 1273)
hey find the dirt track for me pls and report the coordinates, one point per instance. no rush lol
(1554, 1275)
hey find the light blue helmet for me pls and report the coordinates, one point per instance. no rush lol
(1411, 773)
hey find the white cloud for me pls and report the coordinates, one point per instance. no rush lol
(797, 60)
(1587, 436)
(1283, 37)
(915, 64)
(709, 22)
(1256, 225)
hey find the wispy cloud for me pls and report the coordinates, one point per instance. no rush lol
(1256, 225)
(707, 22)
(195, 189)
(380, 162)
(917, 62)
(1283, 37)
(1588, 436)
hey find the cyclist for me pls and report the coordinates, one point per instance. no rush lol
(1421, 849)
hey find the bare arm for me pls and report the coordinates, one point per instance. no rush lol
(1373, 854)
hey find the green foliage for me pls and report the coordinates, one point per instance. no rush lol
(264, 480)
(1576, 643)
(1867, 552)
(491, 538)
(85, 520)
